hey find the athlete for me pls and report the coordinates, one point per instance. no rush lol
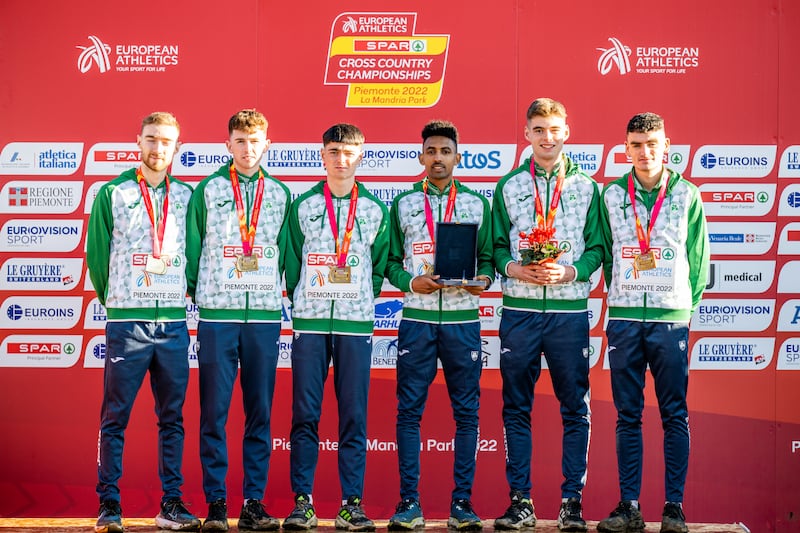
(655, 266)
(439, 322)
(234, 253)
(554, 204)
(335, 262)
(135, 254)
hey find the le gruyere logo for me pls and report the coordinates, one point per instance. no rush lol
(383, 62)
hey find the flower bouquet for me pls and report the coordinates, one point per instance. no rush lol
(539, 246)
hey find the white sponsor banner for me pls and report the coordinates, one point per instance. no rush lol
(285, 351)
(384, 352)
(112, 159)
(740, 276)
(789, 243)
(790, 162)
(595, 312)
(741, 238)
(732, 353)
(618, 163)
(733, 315)
(91, 194)
(40, 197)
(200, 159)
(41, 158)
(789, 317)
(40, 235)
(40, 312)
(37, 274)
(746, 199)
(734, 161)
(192, 314)
(789, 204)
(789, 278)
(490, 353)
(95, 316)
(388, 312)
(40, 351)
(194, 346)
(588, 156)
(95, 354)
(490, 311)
(789, 354)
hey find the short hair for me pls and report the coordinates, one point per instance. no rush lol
(247, 120)
(440, 128)
(645, 123)
(161, 118)
(545, 107)
(343, 133)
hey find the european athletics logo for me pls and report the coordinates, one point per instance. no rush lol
(617, 56)
(96, 53)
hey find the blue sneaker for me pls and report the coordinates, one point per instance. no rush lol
(303, 516)
(462, 517)
(176, 517)
(109, 517)
(407, 516)
(519, 515)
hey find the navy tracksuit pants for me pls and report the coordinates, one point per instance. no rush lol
(458, 347)
(564, 340)
(223, 347)
(134, 348)
(312, 354)
(632, 346)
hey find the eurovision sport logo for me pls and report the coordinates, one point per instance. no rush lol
(383, 62)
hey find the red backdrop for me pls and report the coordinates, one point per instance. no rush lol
(723, 74)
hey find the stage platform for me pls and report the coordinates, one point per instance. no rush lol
(132, 525)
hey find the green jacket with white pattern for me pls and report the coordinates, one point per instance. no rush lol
(221, 292)
(409, 226)
(311, 237)
(577, 225)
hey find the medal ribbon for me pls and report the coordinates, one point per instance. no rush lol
(448, 211)
(158, 226)
(644, 239)
(541, 222)
(341, 251)
(248, 233)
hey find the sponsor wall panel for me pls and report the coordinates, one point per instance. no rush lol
(483, 80)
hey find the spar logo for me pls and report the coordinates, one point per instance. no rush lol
(43, 351)
(618, 162)
(110, 159)
(138, 57)
(615, 56)
(742, 200)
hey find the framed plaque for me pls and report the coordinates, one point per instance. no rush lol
(456, 252)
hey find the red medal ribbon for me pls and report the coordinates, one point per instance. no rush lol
(644, 239)
(546, 224)
(448, 211)
(158, 226)
(341, 251)
(247, 232)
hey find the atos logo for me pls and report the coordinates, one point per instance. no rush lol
(489, 161)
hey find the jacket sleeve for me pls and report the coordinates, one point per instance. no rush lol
(293, 251)
(697, 249)
(395, 270)
(606, 238)
(283, 233)
(592, 255)
(485, 249)
(501, 227)
(98, 242)
(380, 251)
(195, 235)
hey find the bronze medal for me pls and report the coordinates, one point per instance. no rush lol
(339, 274)
(155, 265)
(246, 263)
(645, 261)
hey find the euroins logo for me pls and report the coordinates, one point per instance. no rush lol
(616, 56)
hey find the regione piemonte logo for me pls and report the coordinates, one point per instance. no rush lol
(384, 63)
(616, 56)
(94, 54)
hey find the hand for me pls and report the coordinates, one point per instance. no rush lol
(541, 274)
(426, 284)
(476, 290)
